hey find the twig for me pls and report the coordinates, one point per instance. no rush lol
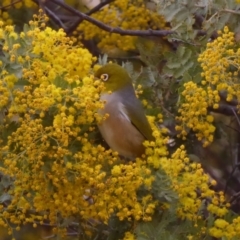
(230, 11)
(9, 5)
(72, 234)
(54, 17)
(213, 16)
(95, 9)
(99, 6)
(229, 178)
(234, 129)
(45, 224)
(112, 29)
(49, 237)
(234, 112)
(234, 197)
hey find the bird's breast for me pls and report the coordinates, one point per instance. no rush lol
(117, 130)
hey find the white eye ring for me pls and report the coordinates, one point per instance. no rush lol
(104, 77)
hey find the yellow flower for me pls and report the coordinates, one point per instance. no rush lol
(116, 171)
(221, 223)
(129, 236)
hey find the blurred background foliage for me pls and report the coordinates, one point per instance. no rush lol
(172, 76)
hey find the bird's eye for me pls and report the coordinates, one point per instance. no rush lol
(104, 77)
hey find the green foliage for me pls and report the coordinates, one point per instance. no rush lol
(181, 62)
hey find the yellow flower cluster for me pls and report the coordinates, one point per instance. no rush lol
(192, 111)
(178, 165)
(223, 229)
(126, 14)
(220, 63)
(5, 16)
(156, 151)
(193, 187)
(129, 236)
(50, 151)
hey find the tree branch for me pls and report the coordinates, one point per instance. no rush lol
(95, 9)
(99, 6)
(230, 11)
(107, 28)
(223, 96)
(225, 109)
(54, 17)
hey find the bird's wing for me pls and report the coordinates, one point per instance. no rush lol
(137, 116)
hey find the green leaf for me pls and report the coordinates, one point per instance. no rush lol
(9, 130)
(102, 60)
(181, 16)
(60, 82)
(181, 51)
(26, 28)
(15, 69)
(5, 197)
(186, 77)
(6, 181)
(171, 14)
(173, 65)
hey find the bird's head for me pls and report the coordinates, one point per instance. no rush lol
(114, 77)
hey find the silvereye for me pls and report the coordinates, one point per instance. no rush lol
(127, 127)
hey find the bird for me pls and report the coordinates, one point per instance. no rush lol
(126, 127)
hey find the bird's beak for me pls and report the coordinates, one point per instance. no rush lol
(96, 80)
